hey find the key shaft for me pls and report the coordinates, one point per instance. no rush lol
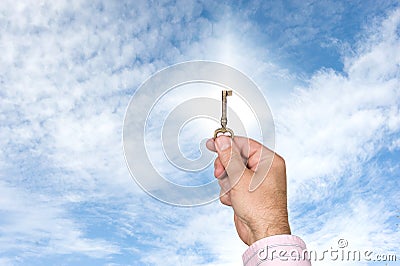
(224, 119)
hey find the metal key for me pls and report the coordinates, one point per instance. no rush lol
(224, 119)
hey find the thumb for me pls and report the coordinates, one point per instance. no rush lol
(230, 158)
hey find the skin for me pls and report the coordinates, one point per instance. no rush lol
(252, 186)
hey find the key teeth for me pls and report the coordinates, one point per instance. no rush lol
(227, 93)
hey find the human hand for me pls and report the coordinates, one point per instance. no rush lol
(255, 188)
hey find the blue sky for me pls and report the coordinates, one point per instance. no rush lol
(330, 71)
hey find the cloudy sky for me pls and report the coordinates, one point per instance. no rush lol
(330, 71)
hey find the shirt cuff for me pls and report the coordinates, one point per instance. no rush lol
(277, 250)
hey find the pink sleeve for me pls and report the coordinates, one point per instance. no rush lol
(277, 250)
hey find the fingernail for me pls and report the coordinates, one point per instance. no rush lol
(223, 143)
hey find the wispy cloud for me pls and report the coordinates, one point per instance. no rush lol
(336, 135)
(67, 71)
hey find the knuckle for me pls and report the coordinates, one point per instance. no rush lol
(216, 162)
(224, 199)
(279, 161)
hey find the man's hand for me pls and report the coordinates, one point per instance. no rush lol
(255, 188)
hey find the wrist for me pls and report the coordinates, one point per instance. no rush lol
(279, 227)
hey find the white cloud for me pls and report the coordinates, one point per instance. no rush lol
(67, 71)
(67, 75)
(38, 224)
(187, 236)
(330, 133)
(340, 119)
